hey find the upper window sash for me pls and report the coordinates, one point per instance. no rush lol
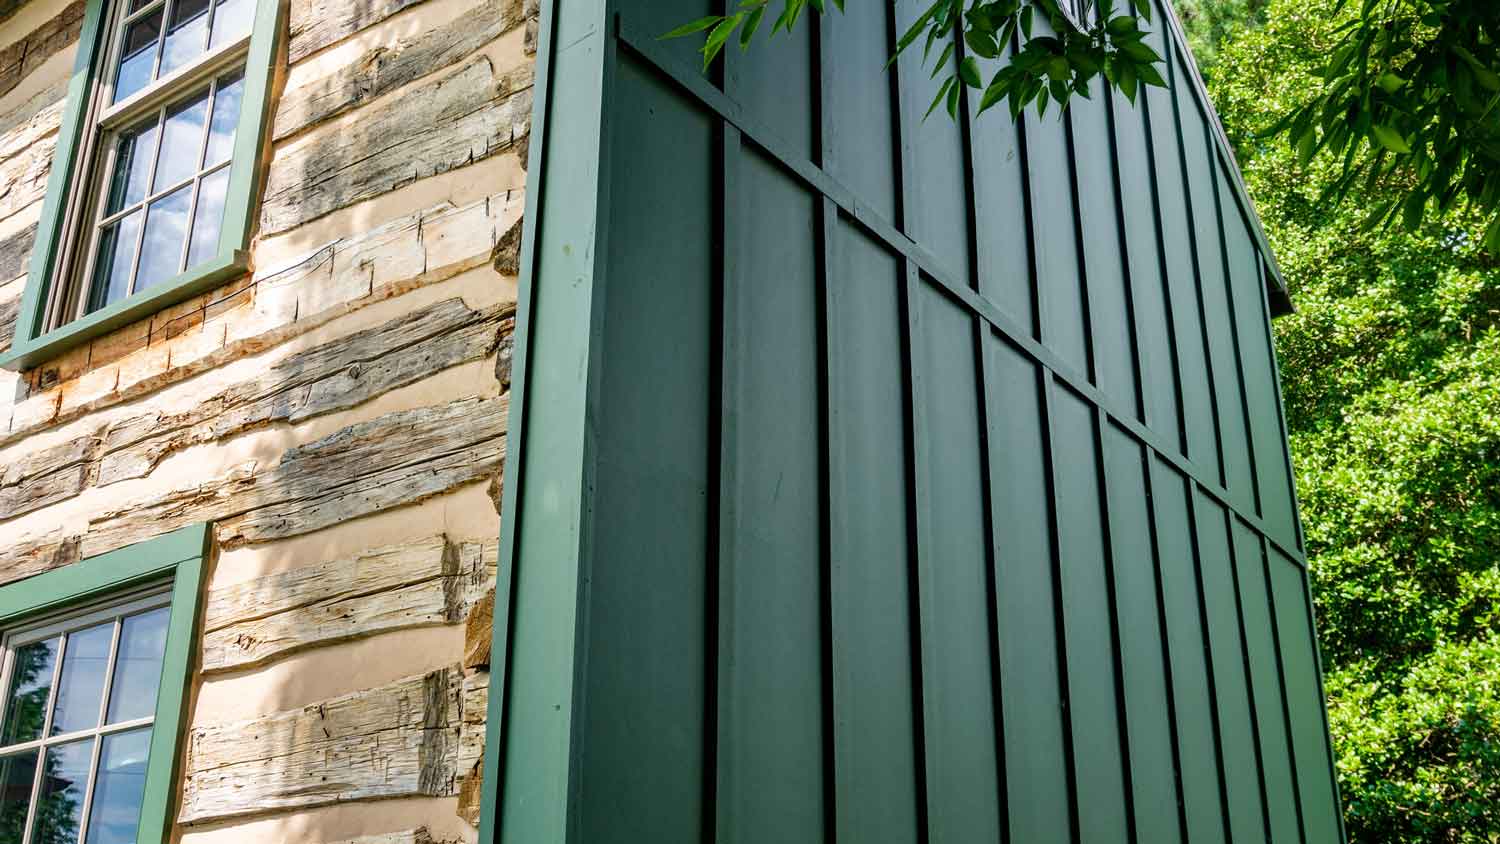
(86, 114)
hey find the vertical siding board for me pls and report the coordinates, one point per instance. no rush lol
(1148, 706)
(1237, 738)
(1086, 591)
(1059, 273)
(1266, 686)
(1218, 320)
(770, 755)
(935, 194)
(855, 149)
(1030, 660)
(652, 476)
(1002, 210)
(962, 766)
(1197, 746)
(1140, 218)
(1299, 663)
(1200, 428)
(1110, 317)
(1247, 288)
(874, 717)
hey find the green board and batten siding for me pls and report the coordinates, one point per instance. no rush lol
(886, 480)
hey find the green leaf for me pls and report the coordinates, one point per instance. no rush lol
(751, 24)
(1492, 236)
(982, 43)
(1150, 75)
(1412, 210)
(1390, 139)
(942, 63)
(1143, 8)
(1140, 52)
(718, 36)
(1121, 25)
(1026, 15)
(942, 92)
(1390, 82)
(689, 28)
(953, 93)
(968, 71)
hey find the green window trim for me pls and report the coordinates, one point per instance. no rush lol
(32, 344)
(180, 556)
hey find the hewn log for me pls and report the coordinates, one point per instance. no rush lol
(316, 24)
(471, 736)
(428, 129)
(53, 474)
(23, 177)
(337, 375)
(399, 740)
(410, 836)
(385, 68)
(416, 584)
(19, 560)
(396, 459)
(15, 255)
(8, 311)
(479, 630)
(27, 54)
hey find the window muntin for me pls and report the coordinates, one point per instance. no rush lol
(159, 148)
(76, 721)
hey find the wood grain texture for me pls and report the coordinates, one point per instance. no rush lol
(33, 481)
(15, 254)
(415, 584)
(337, 375)
(23, 56)
(316, 24)
(410, 836)
(471, 734)
(399, 458)
(385, 68)
(426, 130)
(398, 740)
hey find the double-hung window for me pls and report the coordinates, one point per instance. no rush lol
(150, 197)
(94, 661)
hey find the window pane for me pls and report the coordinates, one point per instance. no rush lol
(133, 153)
(143, 639)
(182, 143)
(138, 56)
(208, 217)
(187, 36)
(111, 279)
(226, 116)
(166, 228)
(120, 788)
(65, 779)
(30, 685)
(17, 774)
(231, 20)
(80, 687)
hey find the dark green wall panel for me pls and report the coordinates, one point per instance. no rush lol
(770, 608)
(875, 644)
(882, 479)
(1032, 690)
(1145, 690)
(958, 699)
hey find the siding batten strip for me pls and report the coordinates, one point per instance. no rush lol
(1054, 530)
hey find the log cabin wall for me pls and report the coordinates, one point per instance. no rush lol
(338, 414)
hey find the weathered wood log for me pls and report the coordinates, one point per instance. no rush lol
(410, 836)
(15, 255)
(315, 24)
(19, 560)
(471, 736)
(33, 481)
(427, 130)
(26, 54)
(416, 584)
(337, 375)
(399, 740)
(479, 630)
(385, 68)
(399, 458)
(23, 177)
(8, 311)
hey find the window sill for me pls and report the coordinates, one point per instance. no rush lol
(27, 354)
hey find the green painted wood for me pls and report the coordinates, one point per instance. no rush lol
(1196, 388)
(1031, 675)
(875, 641)
(1197, 744)
(1218, 320)
(957, 673)
(1143, 670)
(1304, 698)
(1237, 729)
(836, 533)
(652, 480)
(32, 346)
(179, 556)
(1088, 621)
(1110, 318)
(1266, 686)
(770, 754)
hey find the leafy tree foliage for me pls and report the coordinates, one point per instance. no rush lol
(1209, 23)
(1391, 371)
(1063, 45)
